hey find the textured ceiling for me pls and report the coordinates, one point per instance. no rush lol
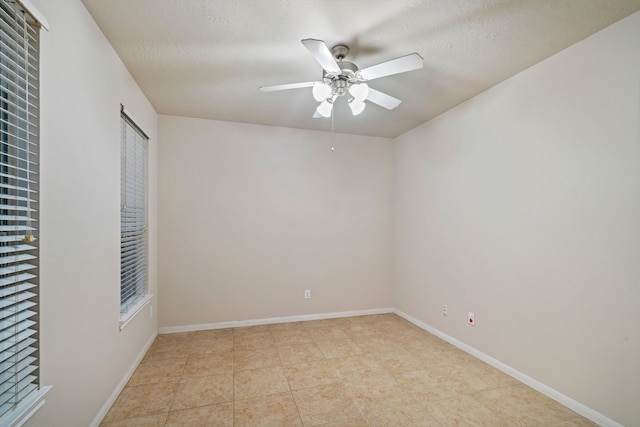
(207, 58)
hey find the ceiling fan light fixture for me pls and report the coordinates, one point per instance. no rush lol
(356, 106)
(359, 91)
(340, 78)
(321, 91)
(325, 108)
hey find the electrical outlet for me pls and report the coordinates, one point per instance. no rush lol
(307, 294)
(471, 319)
(444, 310)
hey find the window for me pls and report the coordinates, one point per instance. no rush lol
(133, 219)
(20, 391)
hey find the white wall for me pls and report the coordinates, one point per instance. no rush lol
(251, 216)
(523, 205)
(83, 354)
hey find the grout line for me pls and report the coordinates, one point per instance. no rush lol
(233, 374)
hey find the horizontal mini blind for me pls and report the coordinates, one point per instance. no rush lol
(133, 217)
(19, 56)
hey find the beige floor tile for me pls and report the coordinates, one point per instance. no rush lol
(408, 331)
(358, 368)
(354, 422)
(399, 361)
(411, 337)
(388, 327)
(260, 382)
(208, 364)
(155, 371)
(251, 330)
(292, 354)
(267, 411)
(313, 374)
(340, 322)
(323, 323)
(357, 329)
(294, 336)
(520, 405)
(209, 334)
(289, 326)
(143, 400)
(370, 318)
(244, 359)
(176, 338)
(427, 384)
(203, 391)
(374, 397)
(576, 422)
(328, 333)
(465, 410)
(210, 345)
(478, 376)
(377, 370)
(255, 341)
(444, 355)
(220, 415)
(421, 341)
(160, 350)
(376, 343)
(339, 348)
(460, 357)
(435, 342)
(438, 381)
(324, 404)
(409, 415)
(149, 421)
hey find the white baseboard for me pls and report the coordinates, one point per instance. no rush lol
(123, 382)
(574, 405)
(271, 320)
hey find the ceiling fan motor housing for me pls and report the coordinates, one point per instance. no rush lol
(341, 82)
(348, 71)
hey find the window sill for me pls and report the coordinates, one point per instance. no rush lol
(27, 408)
(129, 315)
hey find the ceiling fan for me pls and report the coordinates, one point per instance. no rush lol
(344, 78)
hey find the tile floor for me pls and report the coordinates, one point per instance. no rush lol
(377, 370)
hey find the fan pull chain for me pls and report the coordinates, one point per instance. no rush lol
(332, 144)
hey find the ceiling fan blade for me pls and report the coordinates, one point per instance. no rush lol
(382, 99)
(322, 54)
(285, 87)
(410, 62)
(317, 115)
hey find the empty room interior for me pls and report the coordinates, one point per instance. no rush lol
(484, 207)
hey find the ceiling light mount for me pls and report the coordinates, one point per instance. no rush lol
(340, 52)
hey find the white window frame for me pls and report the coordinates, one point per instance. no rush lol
(134, 218)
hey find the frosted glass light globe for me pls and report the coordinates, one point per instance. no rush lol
(324, 109)
(356, 106)
(359, 91)
(321, 91)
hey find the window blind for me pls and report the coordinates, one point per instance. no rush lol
(133, 217)
(19, 149)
